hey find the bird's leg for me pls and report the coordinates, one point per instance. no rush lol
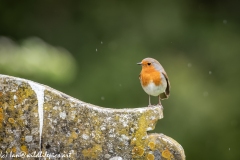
(149, 101)
(159, 100)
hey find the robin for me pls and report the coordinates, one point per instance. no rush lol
(154, 79)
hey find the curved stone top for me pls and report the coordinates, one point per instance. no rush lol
(35, 117)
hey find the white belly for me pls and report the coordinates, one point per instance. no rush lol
(154, 90)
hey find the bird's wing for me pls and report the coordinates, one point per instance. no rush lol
(167, 91)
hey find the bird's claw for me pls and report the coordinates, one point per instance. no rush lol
(160, 105)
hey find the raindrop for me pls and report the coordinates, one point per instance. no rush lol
(102, 98)
(205, 94)
(120, 85)
(96, 49)
(101, 42)
(189, 65)
(224, 21)
(229, 149)
(210, 72)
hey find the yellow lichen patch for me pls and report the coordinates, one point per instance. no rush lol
(10, 138)
(20, 122)
(124, 131)
(22, 139)
(167, 154)
(68, 105)
(11, 120)
(11, 108)
(14, 150)
(23, 93)
(20, 112)
(139, 137)
(151, 145)
(141, 132)
(150, 156)
(137, 152)
(74, 135)
(98, 136)
(93, 152)
(47, 107)
(10, 103)
(95, 120)
(70, 140)
(117, 117)
(24, 148)
(35, 110)
(1, 115)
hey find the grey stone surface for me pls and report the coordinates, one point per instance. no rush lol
(35, 118)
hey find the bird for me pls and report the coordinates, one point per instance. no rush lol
(154, 79)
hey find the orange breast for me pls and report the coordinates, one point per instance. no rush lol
(150, 74)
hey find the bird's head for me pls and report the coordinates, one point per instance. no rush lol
(149, 63)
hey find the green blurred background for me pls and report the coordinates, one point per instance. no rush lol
(89, 50)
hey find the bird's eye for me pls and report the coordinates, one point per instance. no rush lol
(149, 64)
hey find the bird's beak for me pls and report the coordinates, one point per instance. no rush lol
(139, 63)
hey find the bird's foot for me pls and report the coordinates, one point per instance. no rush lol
(150, 105)
(160, 105)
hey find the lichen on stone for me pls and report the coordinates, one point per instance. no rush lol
(151, 145)
(72, 126)
(92, 153)
(167, 154)
(138, 152)
(150, 156)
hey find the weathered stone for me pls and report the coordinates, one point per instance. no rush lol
(35, 118)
